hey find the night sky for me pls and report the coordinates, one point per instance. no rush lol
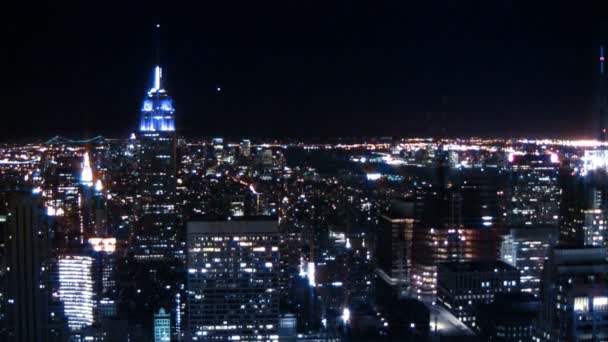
(304, 68)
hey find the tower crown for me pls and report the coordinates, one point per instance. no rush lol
(157, 112)
(86, 177)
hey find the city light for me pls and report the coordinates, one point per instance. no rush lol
(107, 245)
(346, 315)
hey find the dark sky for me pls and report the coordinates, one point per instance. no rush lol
(304, 68)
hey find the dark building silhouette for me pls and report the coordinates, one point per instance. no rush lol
(574, 296)
(394, 246)
(509, 318)
(441, 236)
(462, 286)
(24, 268)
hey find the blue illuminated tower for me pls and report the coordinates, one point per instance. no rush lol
(155, 235)
(157, 113)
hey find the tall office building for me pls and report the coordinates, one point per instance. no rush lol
(527, 249)
(394, 246)
(60, 187)
(156, 235)
(534, 195)
(76, 291)
(103, 272)
(584, 214)
(233, 279)
(441, 235)
(574, 297)
(24, 268)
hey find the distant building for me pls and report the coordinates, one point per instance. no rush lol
(527, 249)
(264, 157)
(480, 194)
(233, 279)
(574, 296)
(584, 217)
(534, 195)
(509, 318)
(595, 227)
(245, 147)
(462, 286)
(162, 326)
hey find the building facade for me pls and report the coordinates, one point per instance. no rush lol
(394, 246)
(76, 291)
(528, 249)
(233, 279)
(534, 194)
(574, 297)
(162, 326)
(25, 268)
(462, 286)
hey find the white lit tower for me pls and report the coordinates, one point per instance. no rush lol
(155, 235)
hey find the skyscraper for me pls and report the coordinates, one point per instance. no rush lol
(394, 246)
(528, 249)
(534, 193)
(441, 235)
(24, 268)
(584, 213)
(233, 279)
(104, 278)
(76, 290)
(155, 236)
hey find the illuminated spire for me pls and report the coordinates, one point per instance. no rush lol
(86, 177)
(98, 185)
(157, 76)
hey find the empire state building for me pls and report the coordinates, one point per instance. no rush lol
(155, 236)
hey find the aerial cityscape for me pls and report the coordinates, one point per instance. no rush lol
(150, 231)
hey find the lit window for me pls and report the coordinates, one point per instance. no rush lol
(581, 304)
(600, 303)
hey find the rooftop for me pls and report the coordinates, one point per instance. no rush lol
(477, 266)
(230, 225)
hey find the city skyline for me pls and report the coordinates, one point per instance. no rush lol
(305, 173)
